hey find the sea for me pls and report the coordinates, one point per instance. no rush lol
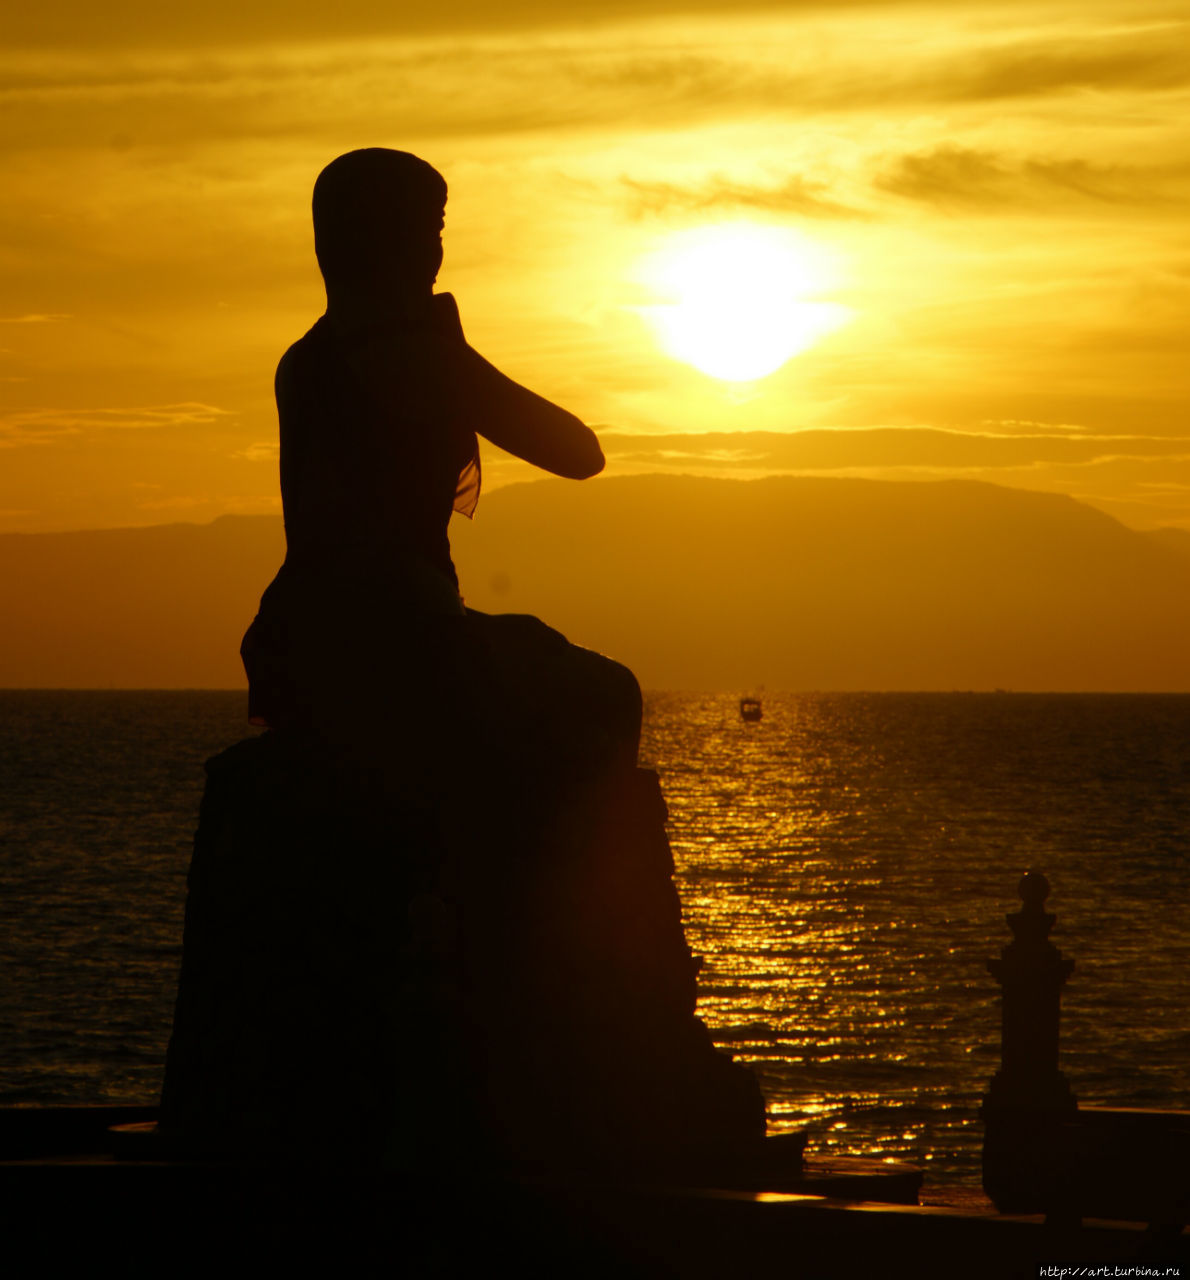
(845, 864)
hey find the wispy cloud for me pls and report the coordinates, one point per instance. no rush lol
(1151, 59)
(218, 24)
(476, 80)
(259, 451)
(794, 194)
(955, 176)
(35, 317)
(45, 426)
(890, 448)
(147, 24)
(1028, 427)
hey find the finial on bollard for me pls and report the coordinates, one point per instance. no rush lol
(1030, 927)
(1033, 890)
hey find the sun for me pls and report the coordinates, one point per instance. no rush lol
(737, 300)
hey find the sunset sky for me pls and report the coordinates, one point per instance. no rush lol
(966, 221)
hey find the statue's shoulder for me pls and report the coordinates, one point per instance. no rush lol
(312, 348)
(311, 365)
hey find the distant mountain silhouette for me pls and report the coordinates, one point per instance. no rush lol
(161, 607)
(794, 582)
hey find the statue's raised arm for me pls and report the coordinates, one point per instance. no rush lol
(516, 419)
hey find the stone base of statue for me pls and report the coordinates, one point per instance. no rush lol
(501, 978)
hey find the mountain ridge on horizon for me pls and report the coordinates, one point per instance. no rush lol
(1173, 533)
(803, 582)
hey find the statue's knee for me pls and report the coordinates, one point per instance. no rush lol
(613, 683)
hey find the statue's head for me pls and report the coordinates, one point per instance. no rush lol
(378, 218)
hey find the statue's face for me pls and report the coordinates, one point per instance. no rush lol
(401, 267)
(435, 262)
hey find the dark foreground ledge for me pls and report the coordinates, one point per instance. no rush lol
(169, 1217)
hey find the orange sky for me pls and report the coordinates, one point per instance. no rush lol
(995, 195)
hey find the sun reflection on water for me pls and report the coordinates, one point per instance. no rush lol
(844, 865)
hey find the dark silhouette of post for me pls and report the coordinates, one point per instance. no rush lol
(1031, 972)
(1030, 1099)
(1043, 1152)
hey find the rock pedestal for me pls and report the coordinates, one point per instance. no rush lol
(373, 977)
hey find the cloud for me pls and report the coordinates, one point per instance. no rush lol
(887, 448)
(22, 427)
(36, 317)
(796, 194)
(259, 451)
(1152, 59)
(405, 77)
(948, 174)
(1027, 426)
(148, 24)
(957, 177)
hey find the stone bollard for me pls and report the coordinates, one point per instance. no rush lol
(1029, 1105)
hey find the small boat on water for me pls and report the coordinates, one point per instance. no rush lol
(750, 709)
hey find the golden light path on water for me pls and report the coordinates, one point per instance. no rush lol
(845, 866)
(801, 978)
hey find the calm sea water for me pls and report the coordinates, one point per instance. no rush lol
(845, 865)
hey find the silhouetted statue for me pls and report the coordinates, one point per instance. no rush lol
(439, 894)
(379, 406)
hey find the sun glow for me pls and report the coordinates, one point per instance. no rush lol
(739, 299)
